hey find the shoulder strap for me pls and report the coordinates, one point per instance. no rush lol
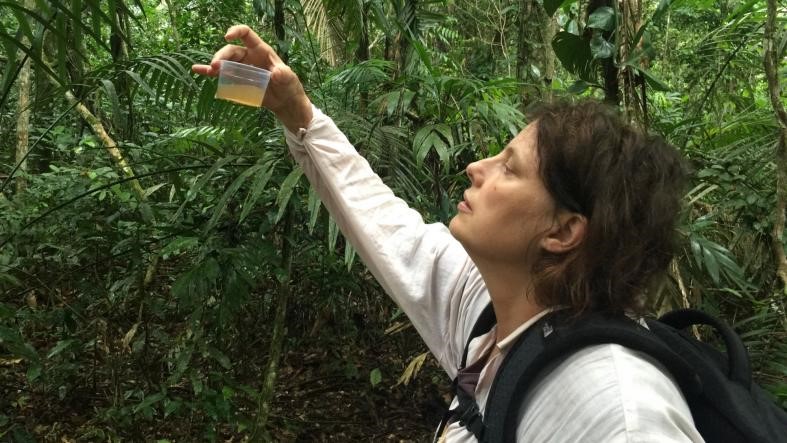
(738, 364)
(483, 325)
(555, 336)
(467, 412)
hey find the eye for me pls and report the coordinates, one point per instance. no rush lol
(507, 169)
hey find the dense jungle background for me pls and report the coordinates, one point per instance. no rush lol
(166, 274)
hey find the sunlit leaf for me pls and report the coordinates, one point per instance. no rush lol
(412, 369)
(375, 376)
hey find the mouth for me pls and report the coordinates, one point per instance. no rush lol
(463, 205)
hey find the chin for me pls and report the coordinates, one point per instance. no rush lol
(454, 227)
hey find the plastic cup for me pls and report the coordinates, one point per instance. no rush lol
(244, 84)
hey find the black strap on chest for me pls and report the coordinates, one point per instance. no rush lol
(467, 412)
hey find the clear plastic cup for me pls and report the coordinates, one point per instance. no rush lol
(244, 84)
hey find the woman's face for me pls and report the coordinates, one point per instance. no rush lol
(507, 208)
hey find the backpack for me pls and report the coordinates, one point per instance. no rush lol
(725, 404)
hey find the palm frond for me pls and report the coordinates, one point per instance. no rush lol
(325, 28)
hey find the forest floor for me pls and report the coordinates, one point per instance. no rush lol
(316, 407)
(323, 393)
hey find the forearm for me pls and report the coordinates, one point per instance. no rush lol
(296, 113)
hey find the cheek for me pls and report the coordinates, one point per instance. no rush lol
(522, 220)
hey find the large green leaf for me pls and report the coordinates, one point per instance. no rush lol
(436, 137)
(575, 55)
(61, 346)
(149, 401)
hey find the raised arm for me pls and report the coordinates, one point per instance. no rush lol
(422, 267)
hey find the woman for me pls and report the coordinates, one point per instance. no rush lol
(575, 213)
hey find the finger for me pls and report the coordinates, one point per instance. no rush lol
(204, 70)
(252, 41)
(244, 33)
(229, 52)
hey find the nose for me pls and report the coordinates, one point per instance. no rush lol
(476, 171)
(473, 171)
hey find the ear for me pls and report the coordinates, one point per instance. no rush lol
(567, 233)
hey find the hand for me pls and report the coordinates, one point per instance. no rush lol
(284, 96)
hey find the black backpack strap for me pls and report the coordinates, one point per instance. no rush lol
(730, 408)
(469, 415)
(554, 336)
(738, 364)
(467, 411)
(483, 325)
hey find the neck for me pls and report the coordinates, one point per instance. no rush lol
(511, 291)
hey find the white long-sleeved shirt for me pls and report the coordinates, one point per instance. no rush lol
(604, 393)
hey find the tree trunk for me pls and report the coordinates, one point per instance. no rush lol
(634, 97)
(774, 90)
(173, 21)
(279, 331)
(23, 115)
(549, 57)
(608, 68)
(119, 50)
(536, 30)
(524, 53)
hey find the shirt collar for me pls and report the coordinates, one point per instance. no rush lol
(506, 343)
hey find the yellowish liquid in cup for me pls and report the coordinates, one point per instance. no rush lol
(244, 94)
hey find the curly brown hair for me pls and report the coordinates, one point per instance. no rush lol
(629, 187)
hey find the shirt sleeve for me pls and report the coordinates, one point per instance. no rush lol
(421, 266)
(607, 393)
